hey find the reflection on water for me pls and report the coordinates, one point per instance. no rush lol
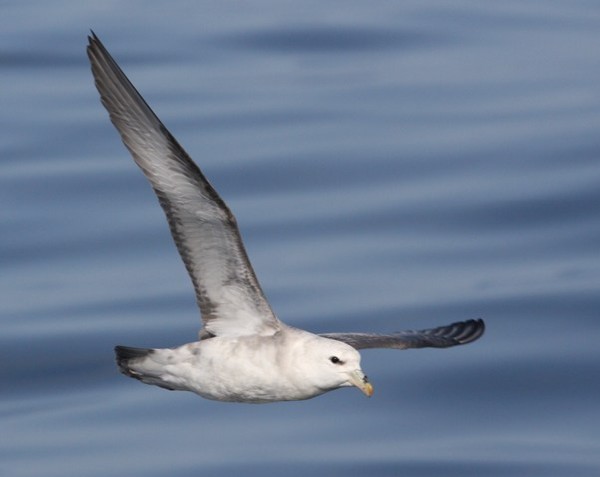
(390, 168)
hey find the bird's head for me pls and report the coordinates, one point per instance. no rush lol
(334, 364)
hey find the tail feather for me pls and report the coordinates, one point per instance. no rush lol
(125, 354)
(131, 363)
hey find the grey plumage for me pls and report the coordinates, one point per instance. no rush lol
(459, 333)
(203, 228)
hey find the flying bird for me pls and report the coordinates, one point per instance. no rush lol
(244, 352)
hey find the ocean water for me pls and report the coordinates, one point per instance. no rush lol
(392, 165)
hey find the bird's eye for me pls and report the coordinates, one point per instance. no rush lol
(335, 360)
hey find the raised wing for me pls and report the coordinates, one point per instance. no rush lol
(459, 333)
(205, 231)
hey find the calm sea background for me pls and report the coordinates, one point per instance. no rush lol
(392, 165)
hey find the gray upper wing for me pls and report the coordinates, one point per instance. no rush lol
(204, 229)
(458, 333)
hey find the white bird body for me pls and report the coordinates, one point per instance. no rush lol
(252, 368)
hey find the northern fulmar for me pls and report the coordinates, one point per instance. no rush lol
(244, 352)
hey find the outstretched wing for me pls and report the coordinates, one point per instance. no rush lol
(205, 231)
(459, 333)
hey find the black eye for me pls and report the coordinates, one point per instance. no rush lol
(335, 360)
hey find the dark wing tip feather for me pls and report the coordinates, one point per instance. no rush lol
(458, 333)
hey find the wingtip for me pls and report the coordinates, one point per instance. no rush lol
(93, 43)
(458, 333)
(470, 330)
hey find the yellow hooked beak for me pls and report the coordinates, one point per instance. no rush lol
(358, 379)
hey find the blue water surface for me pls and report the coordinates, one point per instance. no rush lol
(392, 165)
